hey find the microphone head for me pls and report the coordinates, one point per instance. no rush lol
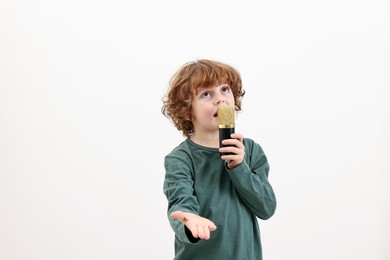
(226, 116)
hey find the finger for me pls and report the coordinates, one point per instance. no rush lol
(229, 150)
(212, 227)
(237, 136)
(201, 232)
(206, 233)
(194, 231)
(232, 143)
(230, 153)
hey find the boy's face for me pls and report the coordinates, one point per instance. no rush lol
(205, 106)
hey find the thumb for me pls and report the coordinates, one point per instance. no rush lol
(178, 215)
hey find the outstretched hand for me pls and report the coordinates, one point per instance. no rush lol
(200, 227)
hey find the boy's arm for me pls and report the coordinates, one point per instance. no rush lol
(250, 179)
(183, 207)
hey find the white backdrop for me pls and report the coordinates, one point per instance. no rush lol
(82, 139)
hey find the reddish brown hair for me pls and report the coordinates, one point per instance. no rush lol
(191, 78)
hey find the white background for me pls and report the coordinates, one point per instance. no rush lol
(82, 139)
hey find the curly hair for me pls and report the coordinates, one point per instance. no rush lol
(191, 78)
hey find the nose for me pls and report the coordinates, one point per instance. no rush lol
(219, 99)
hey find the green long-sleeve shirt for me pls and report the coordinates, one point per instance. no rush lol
(198, 181)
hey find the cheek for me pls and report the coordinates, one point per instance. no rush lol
(199, 111)
(231, 100)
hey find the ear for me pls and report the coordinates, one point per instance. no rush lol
(188, 117)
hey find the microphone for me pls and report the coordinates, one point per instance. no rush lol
(225, 124)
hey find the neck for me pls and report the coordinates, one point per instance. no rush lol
(208, 140)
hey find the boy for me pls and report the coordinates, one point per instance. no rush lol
(213, 200)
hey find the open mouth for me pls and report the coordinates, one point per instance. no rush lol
(216, 114)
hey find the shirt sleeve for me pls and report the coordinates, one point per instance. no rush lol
(178, 188)
(250, 179)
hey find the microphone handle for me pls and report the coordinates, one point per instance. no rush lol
(224, 133)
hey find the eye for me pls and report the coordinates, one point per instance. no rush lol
(225, 89)
(205, 94)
